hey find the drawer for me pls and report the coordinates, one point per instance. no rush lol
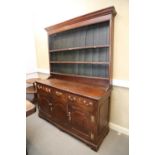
(81, 102)
(43, 89)
(55, 94)
(59, 96)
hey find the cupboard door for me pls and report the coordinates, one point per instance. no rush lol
(80, 122)
(44, 104)
(59, 113)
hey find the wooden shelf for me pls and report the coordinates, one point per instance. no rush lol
(75, 75)
(79, 48)
(79, 62)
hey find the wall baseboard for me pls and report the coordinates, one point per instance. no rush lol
(118, 128)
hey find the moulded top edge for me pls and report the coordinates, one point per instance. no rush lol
(83, 18)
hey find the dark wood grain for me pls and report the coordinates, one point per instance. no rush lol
(93, 91)
(74, 101)
(90, 18)
(79, 109)
(96, 81)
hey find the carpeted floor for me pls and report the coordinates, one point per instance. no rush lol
(45, 139)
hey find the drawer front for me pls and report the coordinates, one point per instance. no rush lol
(59, 96)
(43, 89)
(56, 95)
(81, 102)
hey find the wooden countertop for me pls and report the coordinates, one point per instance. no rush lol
(32, 80)
(91, 91)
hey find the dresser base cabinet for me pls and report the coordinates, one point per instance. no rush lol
(82, 115)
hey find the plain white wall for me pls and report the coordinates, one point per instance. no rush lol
(31, 64)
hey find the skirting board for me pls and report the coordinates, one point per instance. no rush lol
(119, 129)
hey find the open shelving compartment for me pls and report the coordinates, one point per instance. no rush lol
(81, 52)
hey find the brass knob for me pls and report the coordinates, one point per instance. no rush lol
(58, 93)
(70, 98)
(91, 103)
(92, 119)
(84, 101)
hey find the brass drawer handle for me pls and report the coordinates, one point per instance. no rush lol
(84, 101)
(50, 104)
(69, 116)
(92, 119)
(58, 93)
(70, 98)
(48, 90)
(92, 136)
(91, 103)
(39, 86)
